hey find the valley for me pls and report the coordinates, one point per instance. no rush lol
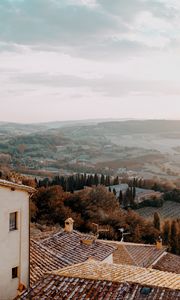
(143, 148)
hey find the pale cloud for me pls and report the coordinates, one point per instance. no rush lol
(88, 3)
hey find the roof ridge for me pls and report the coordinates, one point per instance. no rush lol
(129, 243)
(130, 256)
(159, 257)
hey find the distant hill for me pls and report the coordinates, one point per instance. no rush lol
(149, 147)
(137, 127)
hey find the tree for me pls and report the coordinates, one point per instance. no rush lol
(166, 232)
(156, 221)
(114, 191)
(120, 197)
(174, 237)
(96, 179)
(102, 180)
(116, 180)
(137, 234)
(134, 192)
(107, 180)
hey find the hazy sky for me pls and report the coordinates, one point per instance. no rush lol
(78, 59)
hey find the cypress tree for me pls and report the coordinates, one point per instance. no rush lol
(156, 221)
(120, 197)
(174, 237)
(166, 232)
(114, 191)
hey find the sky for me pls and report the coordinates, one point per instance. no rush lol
(89, 59)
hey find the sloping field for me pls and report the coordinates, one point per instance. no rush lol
(170, 210)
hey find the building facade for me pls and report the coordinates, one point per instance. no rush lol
(14, 239)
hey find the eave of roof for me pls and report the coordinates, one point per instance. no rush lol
(16, 186)
(96, 270)
(58, 287)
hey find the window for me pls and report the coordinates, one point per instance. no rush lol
(145, 290)
(13, 221)
(15, 272)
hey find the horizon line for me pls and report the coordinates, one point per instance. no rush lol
(89, 120)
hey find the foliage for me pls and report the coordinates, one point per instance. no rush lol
(88, 206)
(76, 182)
(173, 195)
(156, 221)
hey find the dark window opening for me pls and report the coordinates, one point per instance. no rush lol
(15, 272)
(13, 221)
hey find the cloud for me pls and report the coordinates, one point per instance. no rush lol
(90, 28)
(47, 21)
(75, 54)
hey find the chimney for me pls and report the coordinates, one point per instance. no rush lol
(159, 243)
(88, 240)
(69, 225)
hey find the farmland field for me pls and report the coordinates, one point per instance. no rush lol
(170, 210)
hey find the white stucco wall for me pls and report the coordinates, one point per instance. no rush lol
(14, 245)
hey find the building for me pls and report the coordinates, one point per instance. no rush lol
(65, 248)
(97, 280)
(140, 255)
(14, 238)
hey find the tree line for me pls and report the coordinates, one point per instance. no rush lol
(170, 232)
(78, 181)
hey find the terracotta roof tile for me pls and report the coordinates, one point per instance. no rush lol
(96, 270)
(42, 260)
(63, 249)
(144, 255)
(70, 247)
(65, 288)
(169, 263)
(141, 255)
(121, 255)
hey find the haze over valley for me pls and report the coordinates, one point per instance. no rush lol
(146, 148)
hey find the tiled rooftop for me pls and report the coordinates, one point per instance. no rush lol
(43, 260)
(64, 249)
(169, 263)
(144, 255)
(65, 288)
(140, 255)
(70, 247)
(96, 270)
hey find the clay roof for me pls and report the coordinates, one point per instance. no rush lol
(9, 184)
(141, 255)
(96, 270)
(121, 256)
(144, 255)
(43, 260)
(63, 288)
(168, 262)
(70, 246)
(64, 249)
